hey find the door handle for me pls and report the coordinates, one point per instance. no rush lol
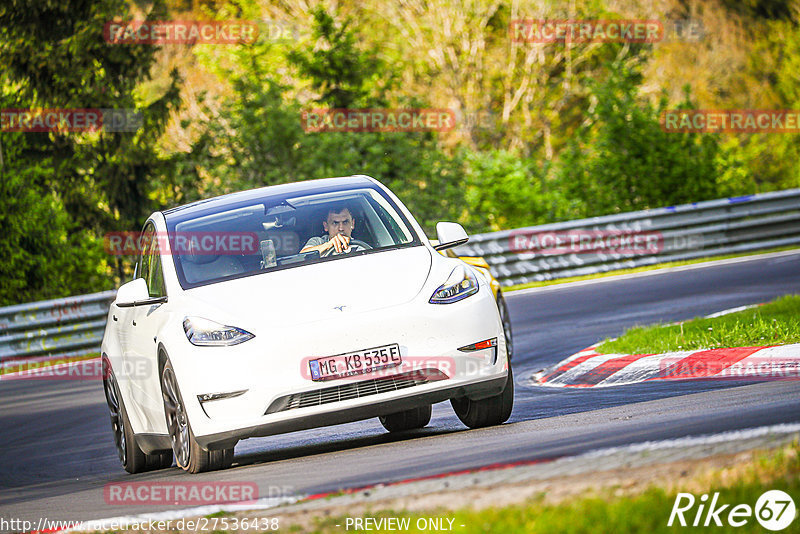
(134, 323)
(114, 317)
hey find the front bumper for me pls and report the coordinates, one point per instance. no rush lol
(268, 368)
(346, 413)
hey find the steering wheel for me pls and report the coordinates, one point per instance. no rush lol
(359, 243)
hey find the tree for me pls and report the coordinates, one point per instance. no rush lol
(45, 254)
(504, 190)
(622, 160)
(54, 56)
(257, 136)
(343, 75)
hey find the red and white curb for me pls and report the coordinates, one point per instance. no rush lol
(588, 368)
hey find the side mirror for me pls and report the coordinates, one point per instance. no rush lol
(450, 235)
(135, 293)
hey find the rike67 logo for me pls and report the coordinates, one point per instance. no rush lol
(774, 510)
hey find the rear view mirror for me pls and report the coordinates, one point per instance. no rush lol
(135, 293)
(450, 235)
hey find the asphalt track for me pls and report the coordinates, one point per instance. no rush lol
(57, 453)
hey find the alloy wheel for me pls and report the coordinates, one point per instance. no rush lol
(177, 422)
(117, 421)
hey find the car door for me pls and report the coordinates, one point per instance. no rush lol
(145, 322)
(123, 318)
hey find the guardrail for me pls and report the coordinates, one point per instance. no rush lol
(74, 326)
(50, 329)
(635, 239)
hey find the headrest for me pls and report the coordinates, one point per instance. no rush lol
(193, 254)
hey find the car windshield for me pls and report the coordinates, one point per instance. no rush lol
(280, 233)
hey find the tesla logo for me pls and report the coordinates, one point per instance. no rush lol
(340, 308)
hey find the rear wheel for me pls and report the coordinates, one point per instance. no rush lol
(407, 420)
(189, 455)
(133, 459)
(486, 412)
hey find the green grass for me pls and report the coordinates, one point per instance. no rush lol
(603, 511)
(642, 269)
(775, 323)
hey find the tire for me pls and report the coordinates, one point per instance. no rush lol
(133, 459)
(407, 420)
(486, 412)
(189, 454)
(506, 320)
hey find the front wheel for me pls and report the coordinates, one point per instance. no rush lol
(189, 455)
(133, 459)
(486, 412)
(407, 420)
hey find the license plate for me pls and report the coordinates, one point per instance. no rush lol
(355, 363)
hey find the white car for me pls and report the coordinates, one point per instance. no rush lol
(231, 330)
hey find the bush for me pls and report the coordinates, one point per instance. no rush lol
(622, 160)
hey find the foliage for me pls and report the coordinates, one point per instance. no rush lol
(69, 65)
(505, 190)
(95, 182)
(45, 254)
(566, 130)
(622, 160)
(257, 138)
(338, 70)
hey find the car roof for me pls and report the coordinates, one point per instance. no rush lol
(243, 197)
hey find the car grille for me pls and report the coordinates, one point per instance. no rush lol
(355, 390)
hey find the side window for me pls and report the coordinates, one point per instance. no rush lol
(143, 265)
(149, 266)
(155, 279)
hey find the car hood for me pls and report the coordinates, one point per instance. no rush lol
(310, 293)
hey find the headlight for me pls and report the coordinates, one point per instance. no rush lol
(205, 333)
(461, 283)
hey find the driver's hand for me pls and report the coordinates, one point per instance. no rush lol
(340, 242)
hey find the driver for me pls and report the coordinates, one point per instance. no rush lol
(339, 226)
